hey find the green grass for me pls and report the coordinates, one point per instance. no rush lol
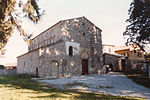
(139, 78)
(24, 88)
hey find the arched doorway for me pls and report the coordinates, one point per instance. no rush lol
(111, 66)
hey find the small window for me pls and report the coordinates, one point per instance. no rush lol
(70, 51)
(134, 51)
(24, 64)
(83, 34)
(83, 23)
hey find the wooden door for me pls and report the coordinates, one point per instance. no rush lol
(84, 67)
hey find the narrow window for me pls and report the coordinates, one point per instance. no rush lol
(24, 64)
(124, 54)
(70, 51)
(83, 23)
(83, 34)
(127, 53)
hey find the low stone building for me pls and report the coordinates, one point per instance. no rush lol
(114, 61)
(70, 47)
(111, 58)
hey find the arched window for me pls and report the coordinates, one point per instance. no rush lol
(70, 51)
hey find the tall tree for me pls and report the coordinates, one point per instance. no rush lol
(138, 30)
(11, 14)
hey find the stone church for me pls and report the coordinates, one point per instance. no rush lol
(68, 48)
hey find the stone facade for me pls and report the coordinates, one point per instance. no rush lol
(70, 47)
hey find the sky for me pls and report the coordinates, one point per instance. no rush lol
(108, 15)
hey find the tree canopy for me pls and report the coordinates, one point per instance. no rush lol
(138, 30)
(11, 13)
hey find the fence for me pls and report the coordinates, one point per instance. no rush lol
(8, 71)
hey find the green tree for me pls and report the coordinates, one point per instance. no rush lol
(11, 14)
(138, 30)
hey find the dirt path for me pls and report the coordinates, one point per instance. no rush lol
(112, 83)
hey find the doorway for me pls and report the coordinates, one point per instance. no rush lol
(37, 72)
(84, 66)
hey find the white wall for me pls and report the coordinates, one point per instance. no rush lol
(76, 47)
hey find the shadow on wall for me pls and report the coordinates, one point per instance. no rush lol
(55, 63)
(61, 45)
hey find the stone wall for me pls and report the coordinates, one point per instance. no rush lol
(82, 31)
(8, 71)
(27, 63)
(111, 59)
(53, 60)
(50, 61)
(48, 37)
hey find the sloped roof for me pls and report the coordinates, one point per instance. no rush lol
(117, 48)
(117, 55)
(108, 45)
(47, 29)
(64, 21)
(128, 47)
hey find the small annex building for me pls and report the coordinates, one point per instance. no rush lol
(68, 48)
(114, 61)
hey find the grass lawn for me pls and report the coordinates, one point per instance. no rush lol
(139, 78)
(24, 88)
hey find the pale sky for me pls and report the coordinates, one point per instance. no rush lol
(108, 15)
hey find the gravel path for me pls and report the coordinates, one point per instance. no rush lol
(112, 83)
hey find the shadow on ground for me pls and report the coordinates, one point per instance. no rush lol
(22, 82)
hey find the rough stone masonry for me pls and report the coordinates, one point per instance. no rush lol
(68, 48)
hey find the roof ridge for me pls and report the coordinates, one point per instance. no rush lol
(55, 25)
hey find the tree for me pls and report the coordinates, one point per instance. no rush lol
(138, 31)
(11, 13)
